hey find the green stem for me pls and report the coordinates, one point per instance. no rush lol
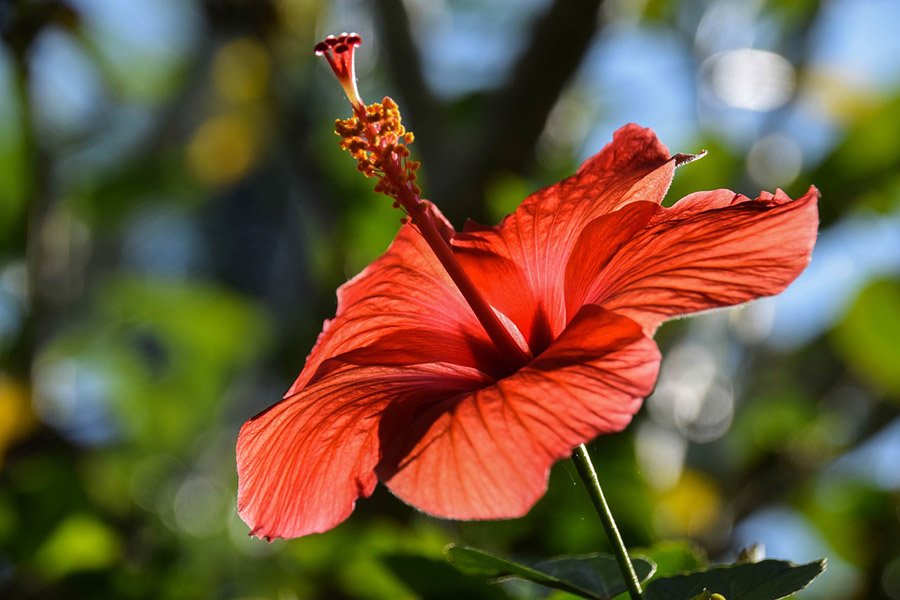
(585, 468)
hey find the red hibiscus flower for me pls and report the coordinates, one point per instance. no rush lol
(409, 385)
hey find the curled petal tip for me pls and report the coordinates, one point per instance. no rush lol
(683, 159)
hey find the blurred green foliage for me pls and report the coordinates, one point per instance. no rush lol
(175, 216)
(867, 336)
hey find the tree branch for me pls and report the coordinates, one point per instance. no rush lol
(405, 65)
(516, 113)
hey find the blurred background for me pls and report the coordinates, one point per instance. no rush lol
(175, 216)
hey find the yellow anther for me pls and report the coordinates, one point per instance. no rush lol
(379, 146)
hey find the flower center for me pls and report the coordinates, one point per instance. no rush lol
(376, 138)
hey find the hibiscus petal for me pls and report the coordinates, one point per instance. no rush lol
(709, 250)
(487, 454)
(303, 463)
(520, 263)
(405, 289)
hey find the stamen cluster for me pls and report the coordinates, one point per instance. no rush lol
(377, 139)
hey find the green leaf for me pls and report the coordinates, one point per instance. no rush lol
(765, 580)
(673, 557)
(594, 576)
(436, 580)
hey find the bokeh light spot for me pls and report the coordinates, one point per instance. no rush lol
(17, 418)
(223, 149)
(660, 454)
(774, 161)
(73, 396)
(80, 543)
(752, 79)
(690, 508)
(241, 71)
(890, 579)
(199, 507)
